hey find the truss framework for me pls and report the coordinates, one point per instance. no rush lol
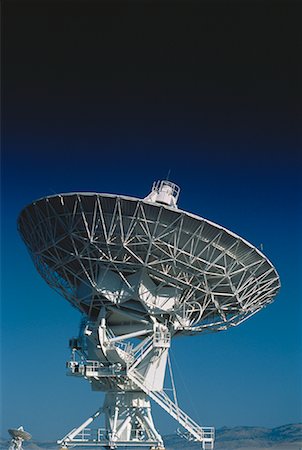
(141, 269)
(221, 279)
(127, 411)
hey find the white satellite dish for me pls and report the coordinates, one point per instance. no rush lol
(18, 436)
(141, 272)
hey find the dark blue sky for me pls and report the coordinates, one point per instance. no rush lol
(109, 97)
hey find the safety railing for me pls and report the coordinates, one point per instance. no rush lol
(201, 434)
(91, 435)
(125, 347)
(141, 351)
(162, 339)
(94, 368)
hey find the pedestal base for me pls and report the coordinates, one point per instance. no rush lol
(128, 422)
(128, 418)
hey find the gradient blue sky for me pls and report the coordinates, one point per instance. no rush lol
(109, 98)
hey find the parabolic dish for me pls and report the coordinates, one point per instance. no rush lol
(141, 258)
(19, 433)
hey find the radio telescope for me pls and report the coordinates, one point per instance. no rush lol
(18, 436)
(141, 271)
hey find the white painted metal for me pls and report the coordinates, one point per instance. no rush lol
(131, 401)
(18, 436)
(199, 433)
(141, 272)
(164, 192)
(76, 431)
(150, 260)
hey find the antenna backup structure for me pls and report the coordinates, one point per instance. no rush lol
(141, 271)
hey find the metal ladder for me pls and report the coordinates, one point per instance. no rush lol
(141, 351)
(205, 435)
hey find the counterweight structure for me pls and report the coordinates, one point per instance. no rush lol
(141, 271)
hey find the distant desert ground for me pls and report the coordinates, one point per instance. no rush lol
(286, 437)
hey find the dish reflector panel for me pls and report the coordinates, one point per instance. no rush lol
(146, 257)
